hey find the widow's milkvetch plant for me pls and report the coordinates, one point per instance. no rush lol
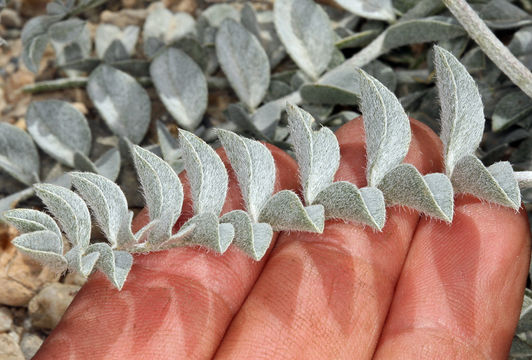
(389, 182)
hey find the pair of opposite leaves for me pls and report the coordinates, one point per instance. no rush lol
(317, 152)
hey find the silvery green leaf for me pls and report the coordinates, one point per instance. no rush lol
(81, 263)
(357, 40)
(170, 150)
(70, 39)
(284, 211)
(177, 239)
(69, 210)
(254, 168)
(305, 30)
(18, 154)
(162, 28)
(66, 31)
(116, 52)
(243, 61)
(462, 115)
(59, 129)
(251, 237)
(34, 38)
(521, 43)
(108, 164)
(387, 129)
(45, 247)
(237, 114)
(217, 13)
(317, 153)
(192, 47)
(106, 34)
(501, 14)
(108, 205)
(114, 264)
(206, 174)
(520, 349)
(181, 85)
(11, 201)
(209, 233)
(121, 101)
(370, 9)
(495, 184)
(29, 220)
(163, 191)
(431, 194)
(511, 109)
(343, 200)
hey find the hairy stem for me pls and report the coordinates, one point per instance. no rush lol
(492, 47)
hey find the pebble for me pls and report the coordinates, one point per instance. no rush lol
(10, 19)
(124, 17)
(49, 305)
(9, 349)
(21, 278)
(6, 319)
(30, 344)
(74, 278)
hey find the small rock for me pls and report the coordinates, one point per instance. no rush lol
(30, 344)
(15, 83)
(124, 17)
(21, 278)
(9, 349)
(10, 19)
(74, 278)
(6, 319)
(129, 3)
(49, 305)
(81, 107)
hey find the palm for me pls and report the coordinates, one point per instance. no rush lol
(420, 289)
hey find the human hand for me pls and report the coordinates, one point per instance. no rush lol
(421, 289)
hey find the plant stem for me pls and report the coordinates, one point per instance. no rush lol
(492, 47)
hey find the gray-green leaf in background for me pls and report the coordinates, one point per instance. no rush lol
(501, 14)
(70, 39)
(370, 9)
(317, 153)
(108, 205)
(44, 246)
(34, 38)
(121, 101)
(387, 129)
(170, 150)
(18, 154)
(254, 168)
(243, 61)
(29, 220)
(305, 30)
(106, 34)
(462, 115)
(512, 108)
(69, 210)
(108, 164)
(181, 86)
(206, 174)
(59, 129)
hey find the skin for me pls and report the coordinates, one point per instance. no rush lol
(420, 289)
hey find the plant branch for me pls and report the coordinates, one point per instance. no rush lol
(492, 47)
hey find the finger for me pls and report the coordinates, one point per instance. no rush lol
(460, 293)
(175, 304)
(326, 296)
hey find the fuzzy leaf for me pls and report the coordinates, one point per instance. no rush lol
(284, 211)
(252, 238)
(369, 9)
(495, 184)
(181, 86)
(243, 61)
(305, 30)
(18, 154)
(511, 109)
(343, 200)
(170, 150)
(209, 233)
(317, 152)
(81, 263)
(108, 204)
(462, 115)
(45, 247)
(430, 194)
(106, 34)
(29, 220)
(254, 167)
(163, 191)
(69, 210)
(108, 164)
(206, 174)
(114, 264)
(34, 38)
(121, 101)
(11, 201)
(387, 129)
(59, 129)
